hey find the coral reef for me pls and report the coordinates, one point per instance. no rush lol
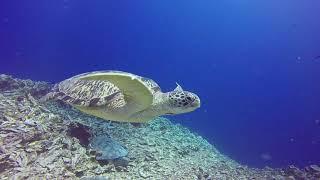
(54, 141)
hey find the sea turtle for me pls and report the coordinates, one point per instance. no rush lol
(122, 96)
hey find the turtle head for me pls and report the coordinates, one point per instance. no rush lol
(181, 101)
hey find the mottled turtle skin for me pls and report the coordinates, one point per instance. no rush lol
(106, 99)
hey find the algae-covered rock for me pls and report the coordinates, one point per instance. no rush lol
(106, 148)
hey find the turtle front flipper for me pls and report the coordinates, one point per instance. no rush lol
(135, 92)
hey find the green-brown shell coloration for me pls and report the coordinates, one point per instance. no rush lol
(89, 92)
(92, 93)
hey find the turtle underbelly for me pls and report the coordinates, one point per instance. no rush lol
(120, 115)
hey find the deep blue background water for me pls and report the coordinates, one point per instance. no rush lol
(254, 64)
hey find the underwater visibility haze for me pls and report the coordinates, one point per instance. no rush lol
(254, 64)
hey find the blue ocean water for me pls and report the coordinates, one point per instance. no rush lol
(254, 64)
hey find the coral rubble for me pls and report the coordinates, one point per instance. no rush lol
(54, 141)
